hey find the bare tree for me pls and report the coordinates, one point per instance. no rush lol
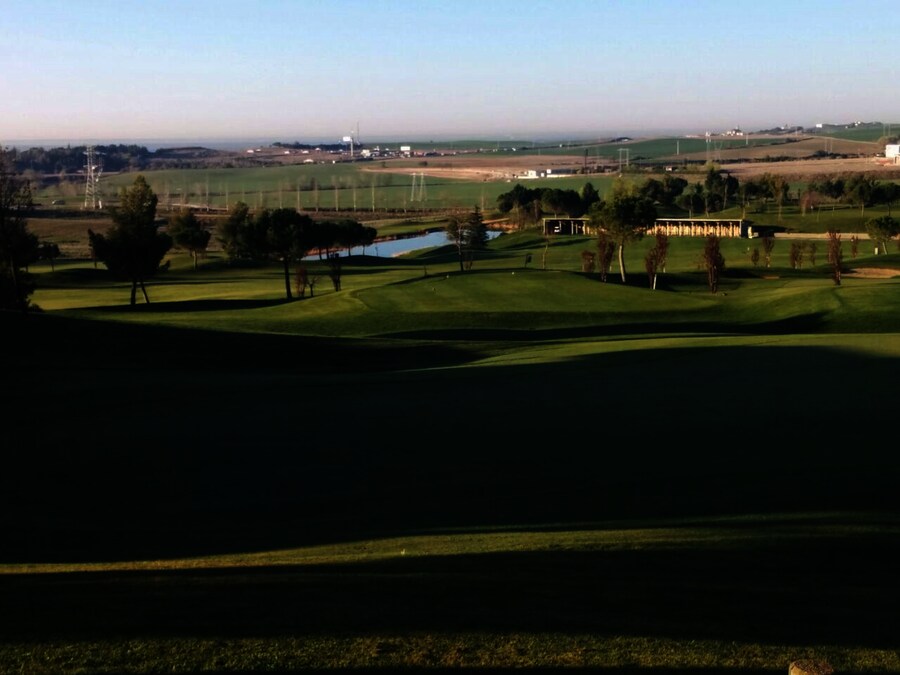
(768, 247)
(662, 247)
(606, 249)
(795, 256)
(835, 255)
(587, 261)
(714, 262)
(652, 262)
(301, 281)
(811, 249)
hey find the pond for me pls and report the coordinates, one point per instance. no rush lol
(393, 247)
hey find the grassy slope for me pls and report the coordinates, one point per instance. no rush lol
(535, 402)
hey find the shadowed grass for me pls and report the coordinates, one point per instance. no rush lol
(507, 468)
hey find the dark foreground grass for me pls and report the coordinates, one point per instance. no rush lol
(740, 595)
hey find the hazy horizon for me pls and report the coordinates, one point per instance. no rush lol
(287, 70)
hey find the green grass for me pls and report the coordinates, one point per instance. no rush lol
(508, 467)
(865, 133)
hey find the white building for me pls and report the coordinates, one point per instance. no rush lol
(892, 152)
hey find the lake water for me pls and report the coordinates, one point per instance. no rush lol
(394, 247)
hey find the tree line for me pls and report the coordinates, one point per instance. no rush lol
(134, 247)
(718, 191)
(72, 159)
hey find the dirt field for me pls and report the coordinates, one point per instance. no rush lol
(487, 168)
(872, 273)
(480, 167)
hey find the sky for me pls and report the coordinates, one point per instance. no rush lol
(285, 70)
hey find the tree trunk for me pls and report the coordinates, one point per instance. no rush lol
(134, 291)
(622, 262)
(287, 278)
(194, 256)
(144, 291)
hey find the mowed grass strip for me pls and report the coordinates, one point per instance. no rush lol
(710, 594)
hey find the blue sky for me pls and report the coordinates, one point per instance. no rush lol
(289, 70)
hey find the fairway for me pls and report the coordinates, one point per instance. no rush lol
(513, 466)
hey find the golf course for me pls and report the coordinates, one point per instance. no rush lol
(513, 465)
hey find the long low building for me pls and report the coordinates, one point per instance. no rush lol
(703, 227)
(671, 227)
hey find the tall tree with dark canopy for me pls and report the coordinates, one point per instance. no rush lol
(881, 230)
(18, 246)
(49, 251)
(133, 248)
(244, 237)
(625, 216)
(189, 233)
(468, 234)
(291, 235)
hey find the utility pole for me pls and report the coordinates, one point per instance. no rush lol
(92, 178)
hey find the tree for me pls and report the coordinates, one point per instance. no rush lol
(887, 193)
(625, 216)
(854, 246)
(754, 256)
(718, 186)
(606, 248)
(662, 245)
(691, 200)
(289, 237)
(133, 248)
(18, 246)
(587, 261)
(467, 234)
(242, 236)
(656, 257)
(881, 230)
(189, 233)
(714, 262)
(780, 186)
(350, 233)
(334, 270)
(747, 192)
(835, 255)
(860, 190)
(795, 255)
(522, 202)
(652, 265)
(49, 251)
(673, 186)
(589, 196)
(768, 247)
(811, 250)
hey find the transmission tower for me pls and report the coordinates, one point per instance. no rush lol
(92, 172)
